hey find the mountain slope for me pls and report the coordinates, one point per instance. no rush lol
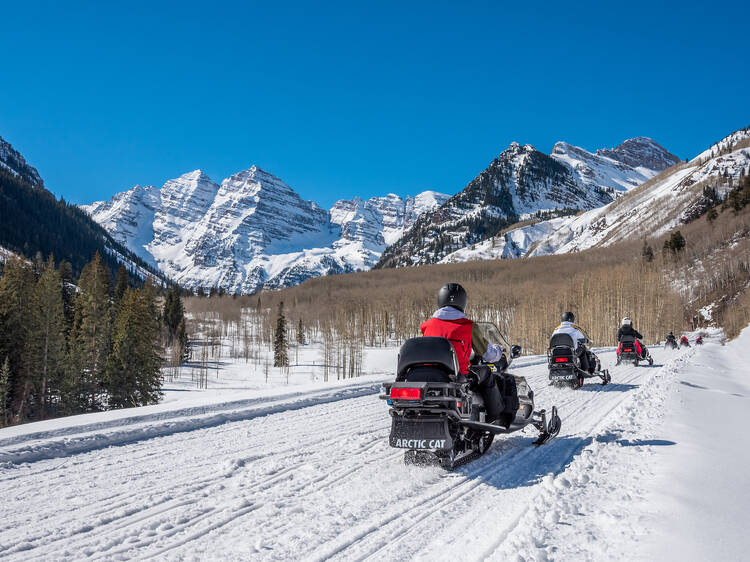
(253, 231)
(12, 161)
(33, 220)
(654, 208)
(523, 181)
(657, 206)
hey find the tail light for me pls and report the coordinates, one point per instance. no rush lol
(406, 393)
(628, 349)
(561, 360)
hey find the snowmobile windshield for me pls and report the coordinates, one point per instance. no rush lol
(485, 333)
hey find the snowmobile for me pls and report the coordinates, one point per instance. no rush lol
(684, 342)
(670, 343)
(699, 340)
(565, 365)
(438, 418)
(630, 349)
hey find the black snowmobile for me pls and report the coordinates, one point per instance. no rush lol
(627, 350)
(565, 365)
(437, 417)
(670, 343)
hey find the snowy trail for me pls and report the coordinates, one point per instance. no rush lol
(302, 478)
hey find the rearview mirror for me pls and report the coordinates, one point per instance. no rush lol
(515, 351)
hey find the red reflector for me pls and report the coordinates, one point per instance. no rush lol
(406, 393)
(561, 359)
(459, 404)
(628, 349)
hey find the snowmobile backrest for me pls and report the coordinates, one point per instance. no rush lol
(561, 340)
(627, 339)
(424, 351)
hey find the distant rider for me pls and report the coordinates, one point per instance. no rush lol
(568, 326)
(450, 322)
(671, 338)
(626, 329)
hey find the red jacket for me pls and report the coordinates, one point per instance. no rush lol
(457, 331)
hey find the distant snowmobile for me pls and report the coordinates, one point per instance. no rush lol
(630, 349)
(565, 364)
(684, 342)
(437, 417)
(671, 342)
(699, 340)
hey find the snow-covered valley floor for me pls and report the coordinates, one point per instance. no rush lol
(305, 472)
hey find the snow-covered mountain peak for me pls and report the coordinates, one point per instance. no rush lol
(515, 149)
(253, 230)
(641, 152)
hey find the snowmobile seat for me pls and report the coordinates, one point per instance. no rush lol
(561, 340)
(427, 359)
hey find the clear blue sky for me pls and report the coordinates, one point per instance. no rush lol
(356, 98)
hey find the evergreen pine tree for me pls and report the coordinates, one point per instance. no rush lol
(16, 290)
(174, 312)
(134, 366)
(647, 252)
(47, 333)
(4, 393)
(90, 340)
(280, 344)
(69, 293)
(181, 339)
(121, 285)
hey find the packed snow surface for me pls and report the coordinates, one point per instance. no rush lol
(305, 472)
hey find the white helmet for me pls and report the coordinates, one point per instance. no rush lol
(627, 321)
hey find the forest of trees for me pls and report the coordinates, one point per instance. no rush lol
(70, 346)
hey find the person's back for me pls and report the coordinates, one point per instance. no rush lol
(569, 327)
(451, 323)
(626, 329)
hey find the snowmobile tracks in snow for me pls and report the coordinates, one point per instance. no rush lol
(314, 480)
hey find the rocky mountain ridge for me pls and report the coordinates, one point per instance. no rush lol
(12, 161)
(523, 182)
(253, 231)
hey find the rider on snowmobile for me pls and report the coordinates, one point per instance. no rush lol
(626, 329)
(450, 322)
(671, 338)
(568, 326)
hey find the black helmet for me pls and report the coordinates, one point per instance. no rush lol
(452, 294)
(568, 317)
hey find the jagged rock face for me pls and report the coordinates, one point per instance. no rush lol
(129, 217)
(641, 152)
(253, 231)
(13, 162)
(520, 182)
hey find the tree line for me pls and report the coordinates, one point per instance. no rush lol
(34, 220)
(70, 346)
